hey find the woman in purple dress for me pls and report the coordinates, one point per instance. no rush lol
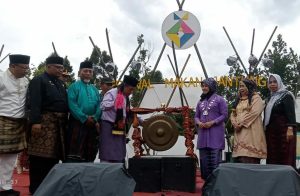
(211, 112)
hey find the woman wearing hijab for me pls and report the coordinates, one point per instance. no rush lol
(249, 138)
(211, 112)
(280, 123)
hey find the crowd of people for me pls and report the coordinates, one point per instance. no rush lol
(54, 123)
(272, 137)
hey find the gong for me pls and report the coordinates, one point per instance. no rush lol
(160, 132)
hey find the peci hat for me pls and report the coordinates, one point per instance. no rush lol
(55, 60)
(86, 64)
(131, 81)
(106, 81)
(18, 59)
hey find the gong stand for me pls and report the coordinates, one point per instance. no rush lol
(187, 125)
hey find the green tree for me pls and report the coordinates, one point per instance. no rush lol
(143, 71)
(296, 65)
(40, 69)
(69, 68)
(100, 58)
(284, 63)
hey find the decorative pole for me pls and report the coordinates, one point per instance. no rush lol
(4, 57)
(122, 74)
(153, 72)
(97, 50)
(177, 74)
(184, 66)
(108, 43)
(1, 49)
(267, 45)
(53, 46)
(237, 54)
(201, 62)
(252, 43)
(188, 132)
(137, 138)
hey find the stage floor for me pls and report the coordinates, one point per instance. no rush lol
(21, 183)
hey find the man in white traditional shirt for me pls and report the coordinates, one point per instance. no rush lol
(13, 88)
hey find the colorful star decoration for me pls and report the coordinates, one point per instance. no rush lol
(180, 33)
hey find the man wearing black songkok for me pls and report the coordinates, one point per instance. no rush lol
(48, 108)
(13, 87)
(115, 108)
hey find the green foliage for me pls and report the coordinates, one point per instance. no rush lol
(42, 68)
(178, 118)
(99, 57)
(284, 63)
(144, 72)
(69, 68)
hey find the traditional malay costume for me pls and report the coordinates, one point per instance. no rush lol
(249, 142)
(211, 141)
(279, 115)
(48, 107)
(12, 121)
(84, 101)
(115, 108)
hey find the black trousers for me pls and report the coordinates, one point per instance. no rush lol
(38, 170)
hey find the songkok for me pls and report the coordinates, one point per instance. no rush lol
(106, 81)
(131, 81)
(211, 83)
(55, 60)
(19, 59)
(86, 64)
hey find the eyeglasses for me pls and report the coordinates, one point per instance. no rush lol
(25, 67)
(58, 67)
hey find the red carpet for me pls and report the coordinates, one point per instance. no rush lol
(21, 183)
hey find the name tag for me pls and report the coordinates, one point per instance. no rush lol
(118, 132)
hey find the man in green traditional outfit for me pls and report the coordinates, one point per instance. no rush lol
(84, 105)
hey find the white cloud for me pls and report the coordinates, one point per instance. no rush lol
(30, 26)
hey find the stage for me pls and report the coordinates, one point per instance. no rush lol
(21, 183)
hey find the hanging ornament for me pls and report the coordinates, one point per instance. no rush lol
(231, 61)
(267, 62)
(253, 61)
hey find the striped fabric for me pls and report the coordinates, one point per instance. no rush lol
(12, 135)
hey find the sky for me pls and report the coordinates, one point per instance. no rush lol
(29, 27)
